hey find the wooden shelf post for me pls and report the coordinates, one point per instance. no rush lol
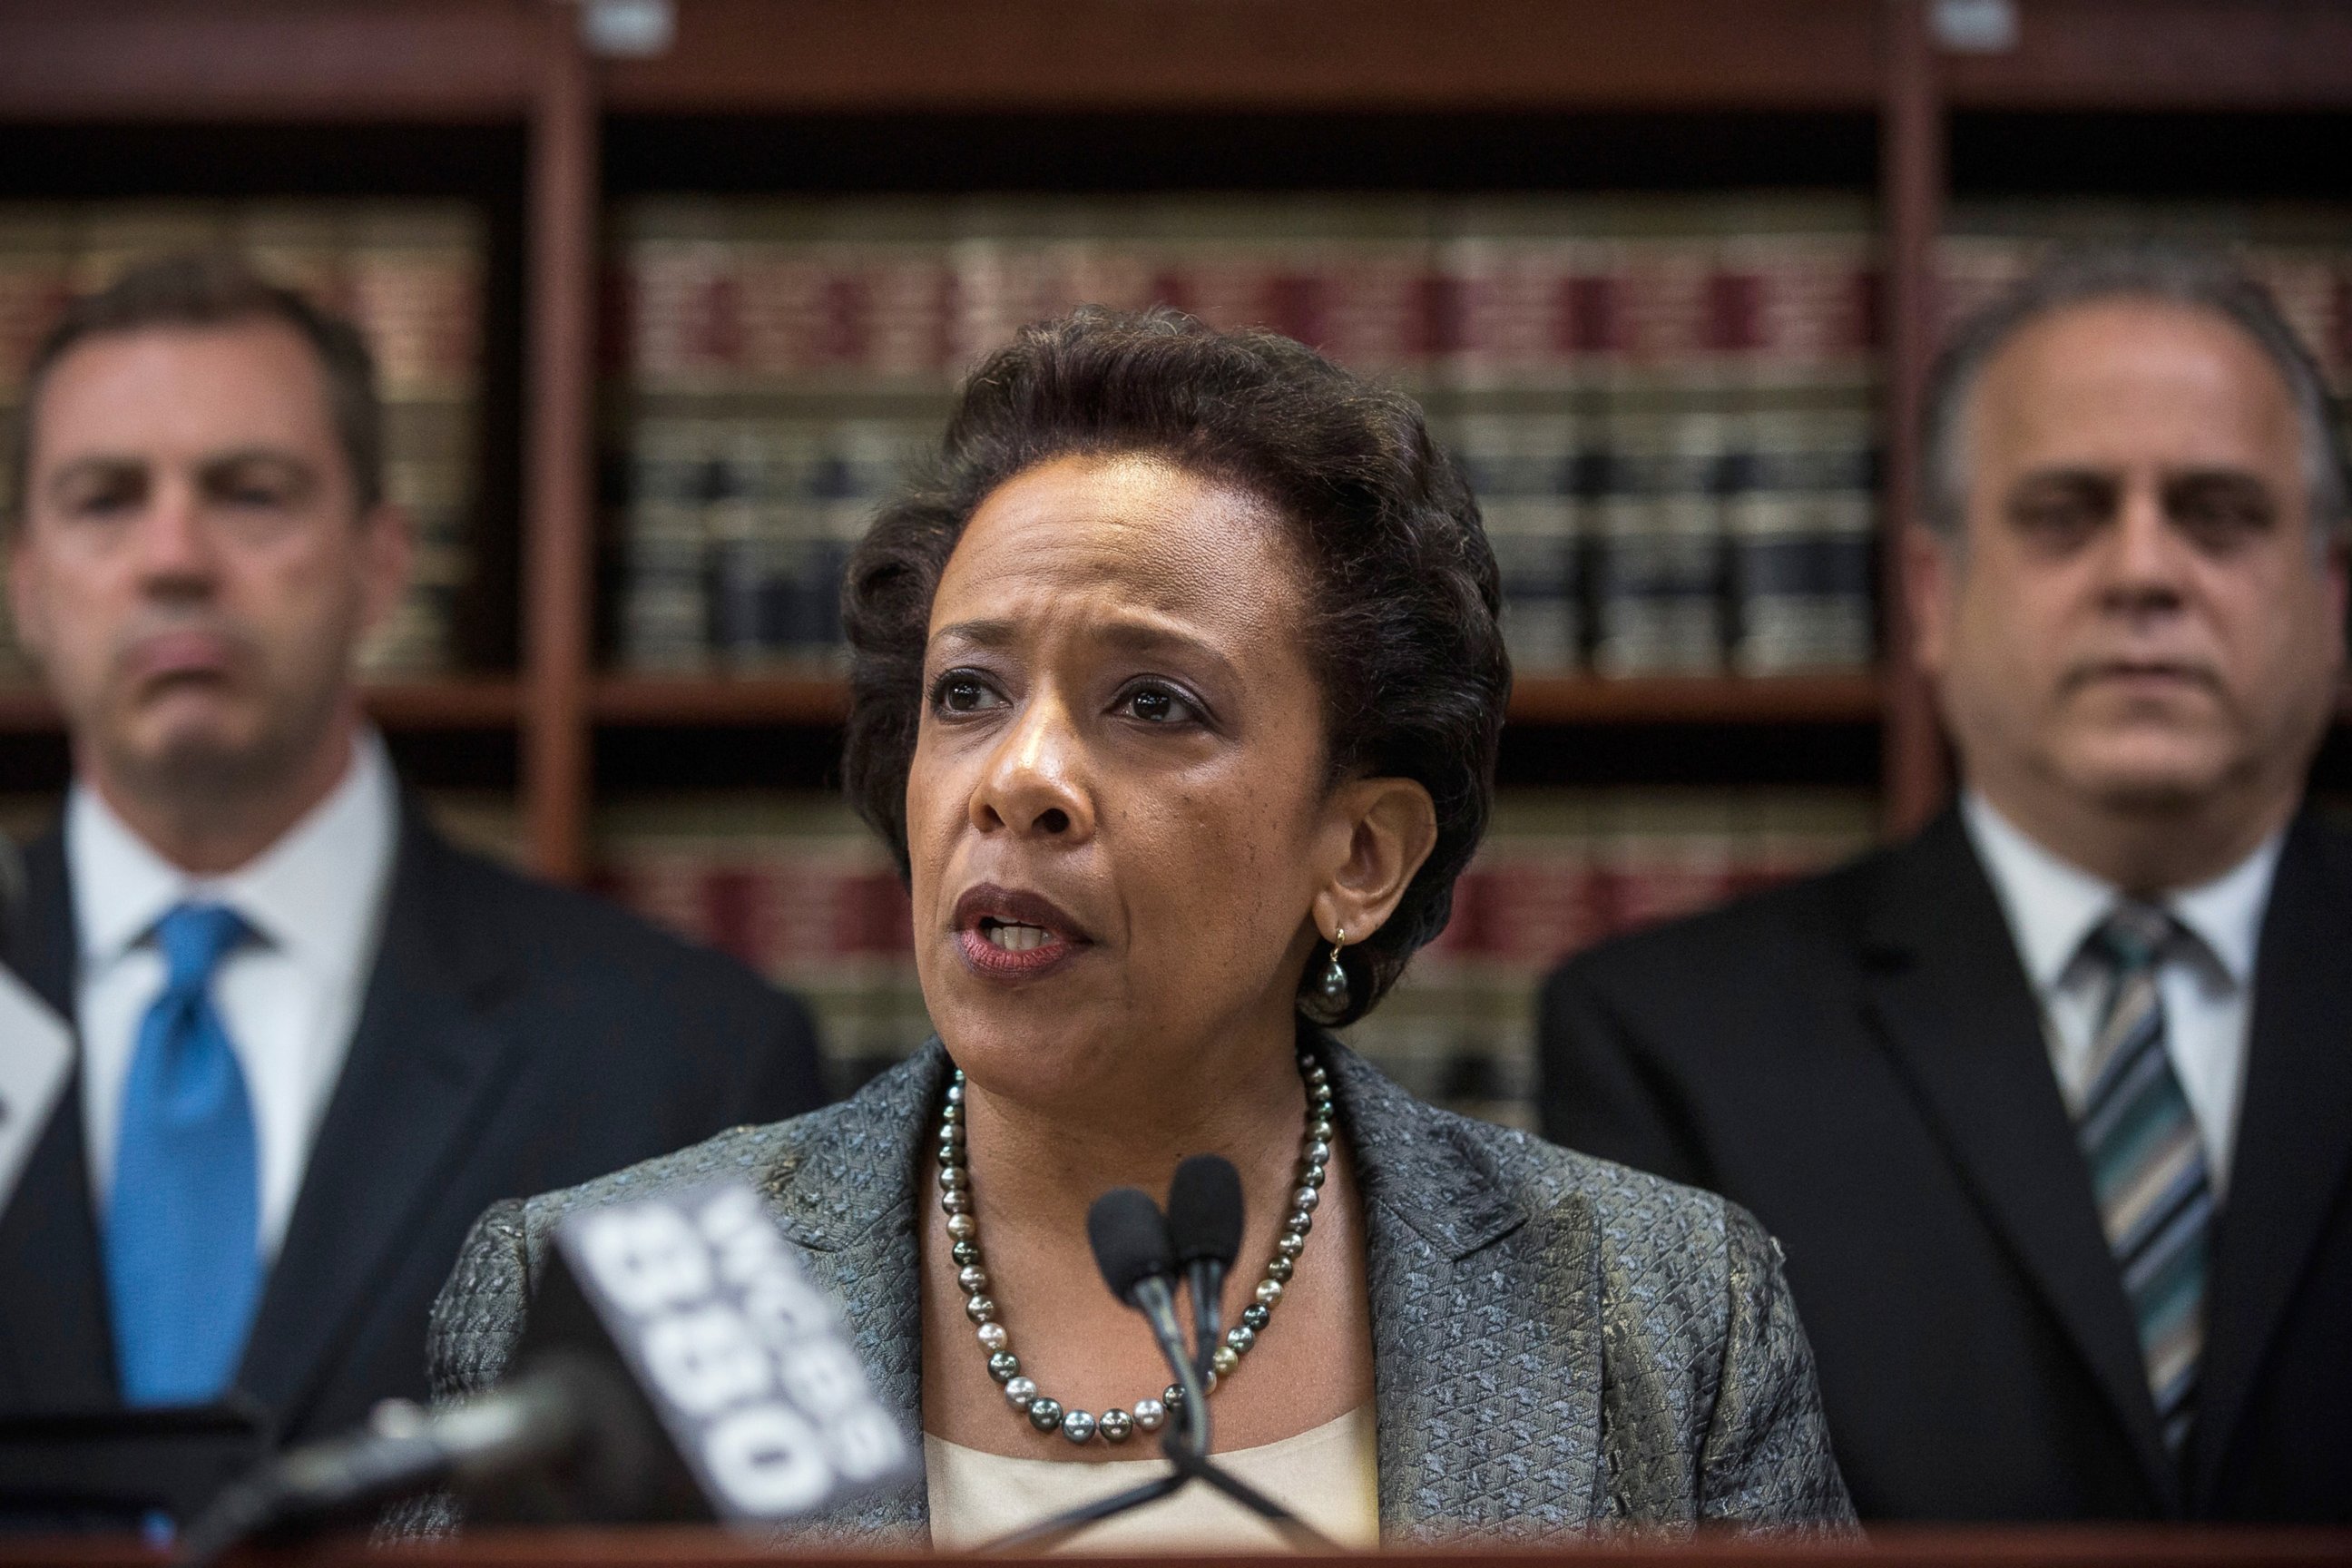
(560, 495)
(1913, 180)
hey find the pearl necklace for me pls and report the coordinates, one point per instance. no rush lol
(1115, 1425)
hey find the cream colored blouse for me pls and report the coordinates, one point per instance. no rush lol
(1329, 1476)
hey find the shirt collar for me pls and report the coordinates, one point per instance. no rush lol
(122, 887)
(296, 894)
(2226, 914)
(2052, 904)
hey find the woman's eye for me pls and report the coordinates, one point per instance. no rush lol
(955, 693)
(1158, 705)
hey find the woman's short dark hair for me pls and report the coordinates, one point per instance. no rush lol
(1402, 586)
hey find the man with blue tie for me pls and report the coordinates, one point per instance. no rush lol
(2051, 1105)
(315, 1038)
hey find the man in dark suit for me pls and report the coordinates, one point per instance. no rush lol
(315, 1038)
(2052, 1106)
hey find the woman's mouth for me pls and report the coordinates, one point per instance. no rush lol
(1013, 934)
(1016, 938)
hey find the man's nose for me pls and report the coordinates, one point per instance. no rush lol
(2145, 557)
(177, 553)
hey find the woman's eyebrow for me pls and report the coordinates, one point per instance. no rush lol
(1125, 636)
(1150, 637)
(979, 634)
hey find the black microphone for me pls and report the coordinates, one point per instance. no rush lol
(1133, 1249)
(678, 1366)
(1204, 1225)
(572, 1414)
(1131, 1245)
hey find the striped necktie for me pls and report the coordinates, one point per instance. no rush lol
(2147, 1163)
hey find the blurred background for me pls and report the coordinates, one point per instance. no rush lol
(666, 293)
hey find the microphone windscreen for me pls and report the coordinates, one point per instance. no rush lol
(1204, 1210)
(1130, 1238)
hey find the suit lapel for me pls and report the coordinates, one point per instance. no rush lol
(1956, 1011)
(54, 1323)
(422, 1075)
(2295, 1139)
(54, 1328)
(860, 1237)
(42, 946)
(1444, 1245)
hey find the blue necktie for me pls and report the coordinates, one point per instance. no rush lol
(182, 1259)
(2148, 1165)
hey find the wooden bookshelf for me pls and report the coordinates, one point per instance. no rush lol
(1047, 56)
(1695, 699)
(330, 69)
(634, 702)
(336, 62)
(2164, 55)
(650, 700)
(1889, 1546)
(479, 702)
(643, 699)
(473, 703)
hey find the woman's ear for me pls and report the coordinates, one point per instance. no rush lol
(1391, 825)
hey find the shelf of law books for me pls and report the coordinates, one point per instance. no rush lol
(1664, 403)
(793, 884)
(410, 273)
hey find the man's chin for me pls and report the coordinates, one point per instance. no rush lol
(189, 751)
(2148, 779)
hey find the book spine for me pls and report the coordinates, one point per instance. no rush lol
(664, 549)
(1801, 526)
(1657, 559)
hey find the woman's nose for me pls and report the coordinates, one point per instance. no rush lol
(1035, 779)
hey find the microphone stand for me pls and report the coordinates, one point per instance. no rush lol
(1187, 1450)
(1206, 1278)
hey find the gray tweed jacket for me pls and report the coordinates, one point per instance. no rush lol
(1557, 1342)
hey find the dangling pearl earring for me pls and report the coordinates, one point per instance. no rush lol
(1327, 1002)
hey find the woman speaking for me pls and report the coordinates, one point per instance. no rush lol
(1176, 694)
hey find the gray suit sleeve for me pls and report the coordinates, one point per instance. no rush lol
(477, 1321)
(1765, 1456)
(477, 1318)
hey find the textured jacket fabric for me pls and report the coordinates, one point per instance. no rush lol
(1558, 1341)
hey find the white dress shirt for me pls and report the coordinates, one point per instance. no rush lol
(2207, 984)
(289, 996)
